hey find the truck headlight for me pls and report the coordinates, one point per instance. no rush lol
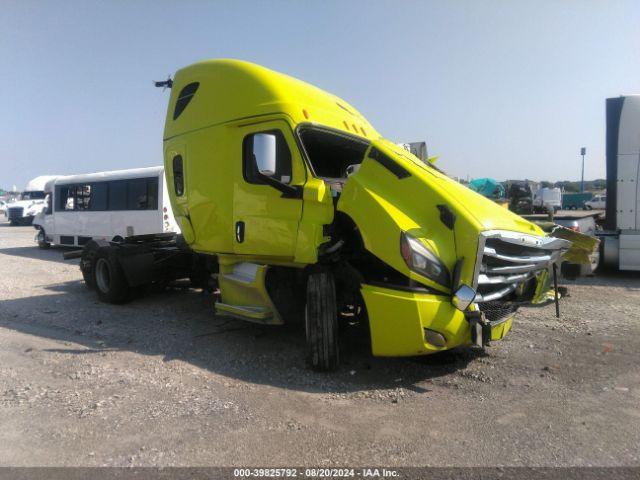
(423, 261)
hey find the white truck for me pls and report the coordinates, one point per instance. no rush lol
(545, 198)
(620, 238)
(30, 203)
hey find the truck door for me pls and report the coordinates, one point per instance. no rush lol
(267, 202)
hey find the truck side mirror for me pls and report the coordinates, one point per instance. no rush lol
(264, 153)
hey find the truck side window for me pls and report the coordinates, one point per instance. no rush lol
(178, 175)
(266, 153)
(333, 155)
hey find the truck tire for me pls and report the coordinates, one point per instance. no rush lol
(321, 322)
(570, 271)
(42, 239)
(88, 263)
(109, 280)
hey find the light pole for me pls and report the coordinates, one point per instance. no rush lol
(583, 152)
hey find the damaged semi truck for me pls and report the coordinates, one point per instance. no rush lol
(301, 211)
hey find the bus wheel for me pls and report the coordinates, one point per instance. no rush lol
(110, 281)
(321, 322)
(42, 239)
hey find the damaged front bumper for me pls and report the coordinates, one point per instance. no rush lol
(512, 269)
(406, 323)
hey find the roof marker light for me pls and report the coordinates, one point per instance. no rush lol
(306, 114)
(346, 125)
(355, 129)
(363, 132)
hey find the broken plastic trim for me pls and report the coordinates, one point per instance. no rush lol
(398, 170)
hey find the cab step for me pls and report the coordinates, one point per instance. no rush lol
(253, 314)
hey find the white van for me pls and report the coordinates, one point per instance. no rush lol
(105, 205)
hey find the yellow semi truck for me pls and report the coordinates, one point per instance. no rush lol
(300, 210)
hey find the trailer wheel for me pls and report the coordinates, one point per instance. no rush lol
(42, 239)
(110, 282)
(321, 322)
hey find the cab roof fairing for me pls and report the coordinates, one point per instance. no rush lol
(231, 90)
(38, 184)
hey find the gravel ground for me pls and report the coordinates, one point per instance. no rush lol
(161, 381)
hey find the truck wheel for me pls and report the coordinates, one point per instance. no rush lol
(42, 239)
(110, 282)
(321, 321)
(88, 263)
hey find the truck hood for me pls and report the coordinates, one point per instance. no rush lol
(395, 192)
(25, 203)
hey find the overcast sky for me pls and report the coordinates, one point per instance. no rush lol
(507, 89)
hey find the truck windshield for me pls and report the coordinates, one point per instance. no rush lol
(332, 153)
(32, 195)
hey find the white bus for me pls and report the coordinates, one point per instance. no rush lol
(105, 205)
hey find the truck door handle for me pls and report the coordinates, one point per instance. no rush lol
(240, 232)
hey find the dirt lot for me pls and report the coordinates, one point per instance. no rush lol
(161, 381)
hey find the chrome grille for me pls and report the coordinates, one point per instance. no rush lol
(508, 259)
(14, 213)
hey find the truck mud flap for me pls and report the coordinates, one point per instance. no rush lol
(137, 268)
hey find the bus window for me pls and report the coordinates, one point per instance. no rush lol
(152, 193)
(137, 194)
(118, 195)
(64, 198)
(83, 197)
(98, 201)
